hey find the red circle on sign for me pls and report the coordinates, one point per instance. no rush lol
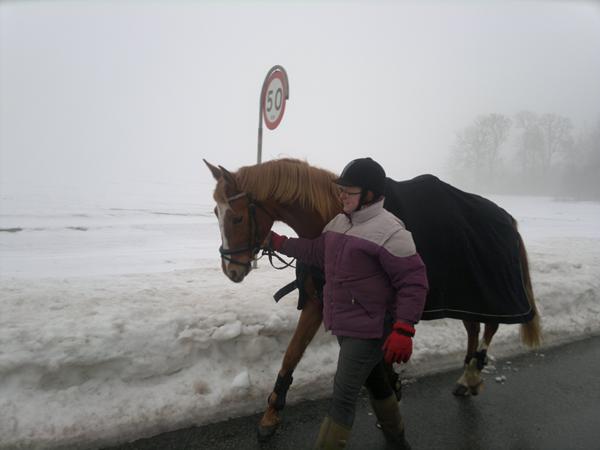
(276, 79)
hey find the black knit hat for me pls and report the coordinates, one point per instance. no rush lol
(364, 173)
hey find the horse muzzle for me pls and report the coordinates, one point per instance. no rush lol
(236, 273)
(233, 268)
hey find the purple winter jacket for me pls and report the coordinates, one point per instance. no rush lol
(371, 266)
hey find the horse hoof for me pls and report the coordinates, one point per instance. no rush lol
(460, 390)
(265, 433)
(475, 390)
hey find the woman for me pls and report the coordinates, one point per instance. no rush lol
(373, 274)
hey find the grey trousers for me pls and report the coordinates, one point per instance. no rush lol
(360, 362)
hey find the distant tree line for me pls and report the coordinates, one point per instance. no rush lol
(529, 153)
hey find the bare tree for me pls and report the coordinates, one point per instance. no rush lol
(496, 127)
(476, 151)
(542, 139)
(530, 147)
(581, 172)
(557, 132)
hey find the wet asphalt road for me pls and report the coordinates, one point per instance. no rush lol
(549, 400)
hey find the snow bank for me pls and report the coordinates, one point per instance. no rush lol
(92, 361)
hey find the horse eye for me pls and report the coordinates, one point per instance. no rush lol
(237, 220)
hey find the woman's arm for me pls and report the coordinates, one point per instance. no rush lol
(408, 275)
(309, 251)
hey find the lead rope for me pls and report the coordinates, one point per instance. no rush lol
(268, 251)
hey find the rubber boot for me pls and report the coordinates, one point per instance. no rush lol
(388, 415)
(332, 435)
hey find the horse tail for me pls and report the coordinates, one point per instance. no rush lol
(531, 333)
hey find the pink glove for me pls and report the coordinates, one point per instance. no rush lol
(398, 345)
(276, 241)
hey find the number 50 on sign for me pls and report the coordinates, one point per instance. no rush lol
(273, 99)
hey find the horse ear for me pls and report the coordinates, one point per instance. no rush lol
(216, 173)
(229, 178)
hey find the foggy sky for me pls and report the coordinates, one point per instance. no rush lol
(101, 91)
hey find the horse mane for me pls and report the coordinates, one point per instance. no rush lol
(288, 181)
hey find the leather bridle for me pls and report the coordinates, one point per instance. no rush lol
(254, 243)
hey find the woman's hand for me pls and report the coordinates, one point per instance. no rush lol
(274, 241)
(398, 346)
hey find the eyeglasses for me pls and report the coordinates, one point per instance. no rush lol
(341, 191)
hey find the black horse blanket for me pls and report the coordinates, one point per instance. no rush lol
(469, 245)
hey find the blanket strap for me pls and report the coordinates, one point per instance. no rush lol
(285, 290)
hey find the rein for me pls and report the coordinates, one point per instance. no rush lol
(253, 244)
(271, 253)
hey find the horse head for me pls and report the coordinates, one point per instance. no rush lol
(244, 224)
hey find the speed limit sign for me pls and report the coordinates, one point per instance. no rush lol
(273, 95)
(273, 99)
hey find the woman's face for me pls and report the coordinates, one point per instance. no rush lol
(350, 196)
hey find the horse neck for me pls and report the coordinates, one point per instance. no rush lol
(305, 222)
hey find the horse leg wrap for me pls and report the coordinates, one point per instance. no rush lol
(281, 388)
(481, 357)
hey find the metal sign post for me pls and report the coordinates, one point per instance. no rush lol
(273, 95)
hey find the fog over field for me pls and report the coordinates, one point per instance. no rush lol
(100, 93)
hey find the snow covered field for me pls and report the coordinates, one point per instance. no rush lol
(117, 323)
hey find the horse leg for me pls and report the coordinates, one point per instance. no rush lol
(394, 380)
(308, 325)
(469, 380)
(481, 354)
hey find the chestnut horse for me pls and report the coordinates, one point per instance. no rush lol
(250, 200)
